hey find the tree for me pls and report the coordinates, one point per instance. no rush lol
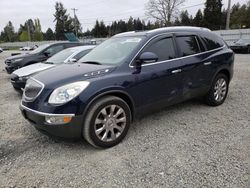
(49, 34)
(24, 36)
(38, 35)
(64, 23)
(29, 26)
(9, 34)
(130, 24)
(184, 18)
(163, 10)
(212, 14)
(240, 16)
(198, 19)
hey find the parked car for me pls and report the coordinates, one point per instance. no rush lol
(1, 50)
(127, 76)
(241, 46)
(42, 53)
(25, 48)
(69, 55)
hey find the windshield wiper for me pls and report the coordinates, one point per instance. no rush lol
(92, 62)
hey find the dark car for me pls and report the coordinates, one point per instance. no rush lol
(127, 76)
(241, 46)
(42, 53)
(69, 55)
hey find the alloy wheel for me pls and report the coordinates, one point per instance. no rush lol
(220, 90)
(110, 123)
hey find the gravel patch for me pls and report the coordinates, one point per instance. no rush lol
(186, 145)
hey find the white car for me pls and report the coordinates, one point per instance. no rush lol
(69, 55)
(25, 48)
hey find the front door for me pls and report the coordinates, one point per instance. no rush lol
(160, 82)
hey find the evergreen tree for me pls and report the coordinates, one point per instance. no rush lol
(49, 34)
(212, 14)
(64, 23)
(198, 19)
(184, 18)
(130, 24)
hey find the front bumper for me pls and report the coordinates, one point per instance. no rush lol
(17, 83)
(71, 130)
(10, 69)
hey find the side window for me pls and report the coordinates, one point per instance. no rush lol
(212, 41)
(202, 48)
(81, 54)
(188, 45)
(54, 49)
(163, 48)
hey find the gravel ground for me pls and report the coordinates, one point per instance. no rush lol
(186, 145)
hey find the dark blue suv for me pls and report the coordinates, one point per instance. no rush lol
(128, 75)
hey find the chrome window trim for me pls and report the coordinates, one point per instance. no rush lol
(178, 58)
(32, 99)
(22, 107)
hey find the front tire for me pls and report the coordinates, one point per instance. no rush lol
(218, 91)
(107, 122)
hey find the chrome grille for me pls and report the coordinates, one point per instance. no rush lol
(32, 90)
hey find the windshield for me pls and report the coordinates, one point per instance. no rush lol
(112, 51)
(39, 49)
(243, 41)
(61, 56)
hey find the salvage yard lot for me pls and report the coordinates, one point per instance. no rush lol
(186, 145)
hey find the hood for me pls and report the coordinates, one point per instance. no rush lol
(32, 69)
(66, 73)
(19, 56)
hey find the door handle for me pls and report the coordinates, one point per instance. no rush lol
(208, 63)
(176, 71)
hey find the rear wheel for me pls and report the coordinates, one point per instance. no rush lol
(107, 122)
(218, 91)
(248, 50)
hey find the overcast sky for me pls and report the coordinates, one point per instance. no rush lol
(18, 11)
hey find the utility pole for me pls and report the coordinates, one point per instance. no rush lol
(228, 15)
(74, 10)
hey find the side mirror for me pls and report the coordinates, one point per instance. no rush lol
(46, 54)
(72, 60)
(147, 57)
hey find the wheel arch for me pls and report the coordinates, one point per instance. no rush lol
(225, 72)
(117, 93)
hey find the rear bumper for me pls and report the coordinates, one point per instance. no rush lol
(71, 130)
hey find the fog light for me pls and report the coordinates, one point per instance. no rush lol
(57, 119)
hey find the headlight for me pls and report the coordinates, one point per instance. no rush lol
(24, 78)
(17, 60)
(67, 92)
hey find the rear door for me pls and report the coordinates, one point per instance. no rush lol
(194, 76)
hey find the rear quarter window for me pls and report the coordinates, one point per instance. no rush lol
(212, 41)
